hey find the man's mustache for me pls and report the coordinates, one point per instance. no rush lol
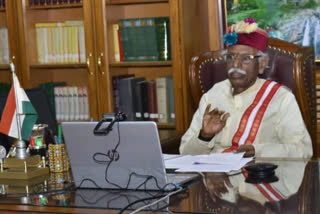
(238, 70)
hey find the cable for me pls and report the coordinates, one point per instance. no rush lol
(140, 200)
(155, 202)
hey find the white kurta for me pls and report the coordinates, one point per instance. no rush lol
(282, 131)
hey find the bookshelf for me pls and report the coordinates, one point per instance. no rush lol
(98, 67)
(5, 75)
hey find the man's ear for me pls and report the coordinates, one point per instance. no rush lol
(263, 64)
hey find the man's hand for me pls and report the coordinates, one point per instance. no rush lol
(213, 122)
(248, 149)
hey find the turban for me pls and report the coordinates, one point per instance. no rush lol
(246, 33)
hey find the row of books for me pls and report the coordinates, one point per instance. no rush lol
(52, 2)
(4, 46)
(142, 39)
(60, 42)
(71, 103)
(144, 100)
(2, 3)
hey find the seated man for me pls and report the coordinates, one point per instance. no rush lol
(245, 113)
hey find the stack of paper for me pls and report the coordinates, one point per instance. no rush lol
(222, 162)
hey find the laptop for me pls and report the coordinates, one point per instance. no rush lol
(128, 157)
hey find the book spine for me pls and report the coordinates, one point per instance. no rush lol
(163, 38)
(151, 40)
(120, 46)
(152, 96)
(124, 39)
(57, 100)
(162, 99)
(145, 100)
(5, 46)
(115, 29)
(86, 103)
(40, 48)
(82, 45)
(126, 103)
(171, 109)
(81, 103)
(138, 101)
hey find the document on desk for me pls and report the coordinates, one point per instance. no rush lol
(222, 162)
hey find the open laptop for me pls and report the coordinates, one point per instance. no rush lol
(138, 161)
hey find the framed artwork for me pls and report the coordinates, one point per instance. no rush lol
(296, 21)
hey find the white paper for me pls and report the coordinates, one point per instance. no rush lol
(236, 165)
(220, 162)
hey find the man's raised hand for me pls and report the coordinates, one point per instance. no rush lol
(213, 121)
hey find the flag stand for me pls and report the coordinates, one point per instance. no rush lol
(22, 166)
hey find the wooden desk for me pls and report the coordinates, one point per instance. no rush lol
(298, 185)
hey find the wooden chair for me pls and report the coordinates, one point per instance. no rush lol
(289, 64)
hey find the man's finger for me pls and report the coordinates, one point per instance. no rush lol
(225, 117)
(207, 109)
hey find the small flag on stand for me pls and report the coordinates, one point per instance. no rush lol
(19, 115)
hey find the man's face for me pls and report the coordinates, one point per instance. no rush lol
(242, 80)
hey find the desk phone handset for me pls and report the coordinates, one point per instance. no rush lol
(112, 118)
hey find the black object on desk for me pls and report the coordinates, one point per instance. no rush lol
(261, 173)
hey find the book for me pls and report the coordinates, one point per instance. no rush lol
(71, 103)
(152, 97)
(86, 103)
(124, 33)
(142, 99)
(76, 103)
(163, 38)
(162, 99)
(127, 93)
(170, 93)
(145, 39)
(116, 91)
(81, 104)
(115, 29)
(58, 103)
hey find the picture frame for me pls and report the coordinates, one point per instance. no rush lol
(295, 21)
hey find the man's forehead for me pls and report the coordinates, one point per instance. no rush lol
(242, 49)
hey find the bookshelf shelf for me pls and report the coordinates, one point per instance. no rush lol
(118, 2)
(141, 64)
(148, 72)
(4, 67)
(54, 66)
(55, 6)
(2, 9)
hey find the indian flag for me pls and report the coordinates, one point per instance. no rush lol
(18, 114)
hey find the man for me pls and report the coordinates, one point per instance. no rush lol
(245, 113)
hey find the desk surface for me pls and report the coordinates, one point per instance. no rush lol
(296, 191)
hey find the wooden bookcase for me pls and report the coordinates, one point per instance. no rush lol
(193, 29)
(7, 20)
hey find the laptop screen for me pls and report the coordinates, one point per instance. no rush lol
(129, 157)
